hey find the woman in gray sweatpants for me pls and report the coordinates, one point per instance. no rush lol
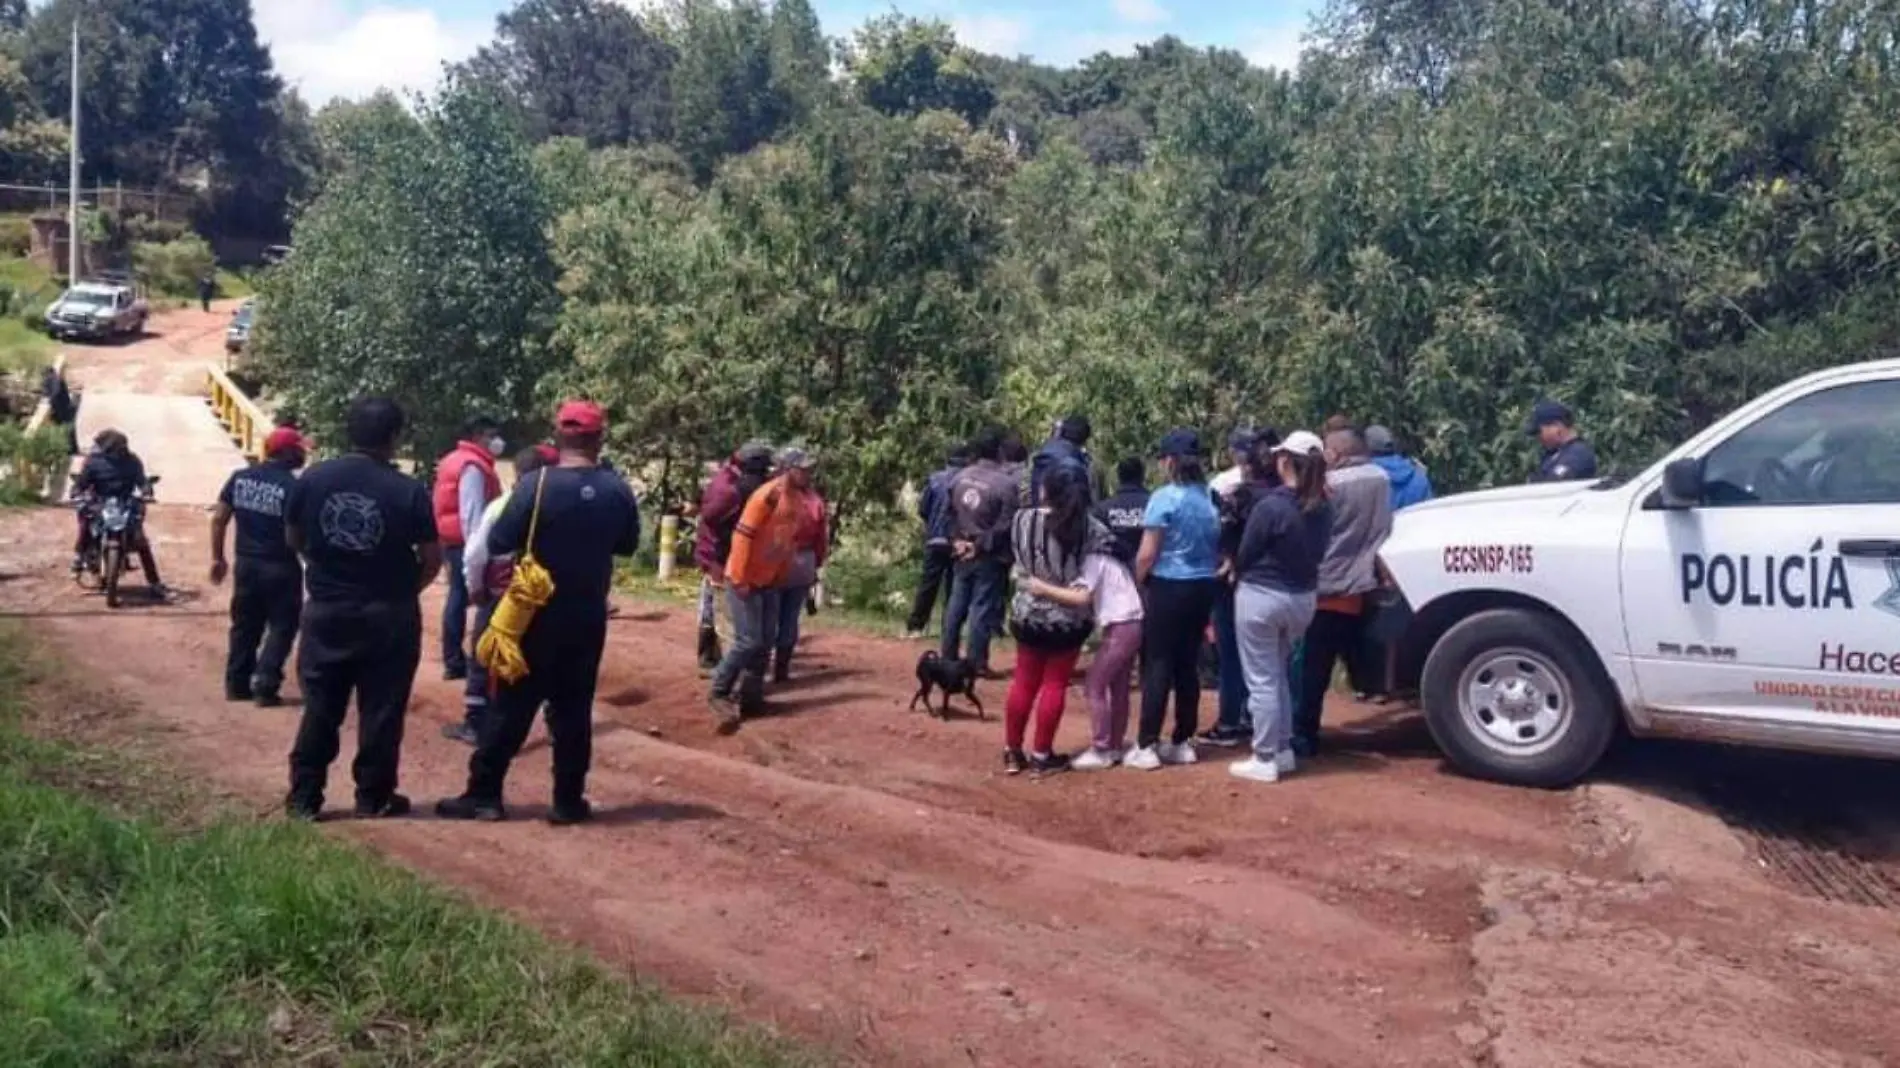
(1277, 567)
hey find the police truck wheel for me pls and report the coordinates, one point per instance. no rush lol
(1515, 696)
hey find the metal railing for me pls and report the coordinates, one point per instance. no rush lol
(244, 419)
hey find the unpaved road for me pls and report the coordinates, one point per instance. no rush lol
(863, 877)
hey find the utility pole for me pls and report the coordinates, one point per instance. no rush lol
(73, 237)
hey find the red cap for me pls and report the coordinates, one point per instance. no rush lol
(284, 437)
(583, 417)
(548, 453)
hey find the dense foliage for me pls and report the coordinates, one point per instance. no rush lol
(1650, 209)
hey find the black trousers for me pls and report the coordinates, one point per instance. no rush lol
(368, 651)
(935, 576)
(1172, 631)
(266, 603)
(563, 668)
(1334, 636)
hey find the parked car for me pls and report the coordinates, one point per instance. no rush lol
(1745, 588)
(95, 311)
(238, 334)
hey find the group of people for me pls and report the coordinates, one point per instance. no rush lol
(334, 560)
(1278, 552)
(762, 537)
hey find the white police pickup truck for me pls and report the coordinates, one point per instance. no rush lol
(1745, 589)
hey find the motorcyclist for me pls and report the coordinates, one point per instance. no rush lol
(112, 469)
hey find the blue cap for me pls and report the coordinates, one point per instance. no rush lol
(1181, 441)
(1546, 412)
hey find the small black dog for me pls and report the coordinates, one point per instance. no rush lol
(950, 676)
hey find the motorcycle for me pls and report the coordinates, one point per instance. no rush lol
(117, 524)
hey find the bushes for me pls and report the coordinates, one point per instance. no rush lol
(16, 235)
(172, 268)
(26, 459)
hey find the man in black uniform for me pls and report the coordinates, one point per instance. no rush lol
(367, 535)
(1122, 513)
(588, 517)
(267, 592)
(1566, 455)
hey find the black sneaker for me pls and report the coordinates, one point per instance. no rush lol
(470, 808)
(308, 809)
(1014, 762)
(266, 699)
(385, 808)
(569, 814)
(1224, 737)
(1048, 765)
(726, 713)
(238, 693)
(459, 732)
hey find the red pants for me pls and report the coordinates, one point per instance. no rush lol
(1041, 679)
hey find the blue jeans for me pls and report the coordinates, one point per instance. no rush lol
(754, 630)
(455, 613)
(976, 596)
(791, 607)
(1233, 680)
(475, 694)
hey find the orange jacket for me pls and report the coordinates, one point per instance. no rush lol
(767, 536)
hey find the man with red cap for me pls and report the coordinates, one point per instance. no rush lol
(588, 516)
(267, 593)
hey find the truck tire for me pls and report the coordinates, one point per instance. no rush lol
(1516, 696)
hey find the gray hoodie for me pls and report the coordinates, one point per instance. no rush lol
(1362, 518)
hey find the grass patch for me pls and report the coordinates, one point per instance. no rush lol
(130, 939)
(24, 348)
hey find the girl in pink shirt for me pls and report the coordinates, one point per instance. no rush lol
(1105, 585)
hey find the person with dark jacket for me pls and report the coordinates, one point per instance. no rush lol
(61, 408)
(1235, 493)
(1566, 455)
(207, 288)
(1067, 447)
(933, 507)
(983, 501)
(368, 538)
(112, 469)
(574, 518)
(719, 507)
(267, 589)
(1122, 513)
(1286, 535)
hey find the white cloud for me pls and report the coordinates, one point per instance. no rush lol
(996, 34)
(1140, 11)
(1274, 46)
(326, 51)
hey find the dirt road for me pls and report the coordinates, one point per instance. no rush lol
(865, 878)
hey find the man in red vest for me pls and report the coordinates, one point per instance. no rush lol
(465, 481)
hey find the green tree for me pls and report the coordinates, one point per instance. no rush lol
(422, 270)
(904, 66)
(581, 68)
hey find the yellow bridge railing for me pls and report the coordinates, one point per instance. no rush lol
(243, 418)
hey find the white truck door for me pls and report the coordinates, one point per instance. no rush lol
(1778, 597)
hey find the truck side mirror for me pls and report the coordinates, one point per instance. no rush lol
(1682, 483)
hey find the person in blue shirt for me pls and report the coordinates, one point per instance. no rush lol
(1410, 484)
(933, 507)
(1178, 564)
(1566, 455)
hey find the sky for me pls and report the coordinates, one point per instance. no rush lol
(351, 48)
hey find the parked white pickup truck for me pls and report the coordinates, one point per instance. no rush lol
(95, 311)
(1745, 588)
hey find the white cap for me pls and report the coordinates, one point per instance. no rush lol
(1300, 443)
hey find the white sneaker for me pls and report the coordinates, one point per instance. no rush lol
(1178, 754)
(1092, 760)
(1284, 761)
(1255, 769)
(1142, 759)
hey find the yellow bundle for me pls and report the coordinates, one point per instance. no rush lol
(499, 648)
